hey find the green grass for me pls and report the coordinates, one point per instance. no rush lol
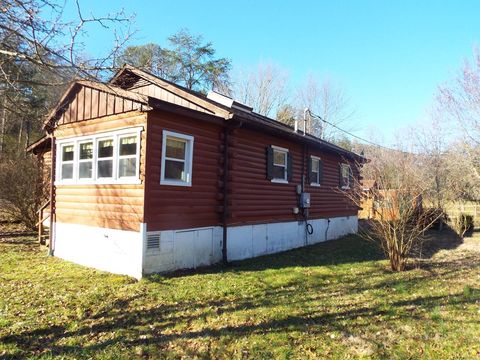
(332, 300)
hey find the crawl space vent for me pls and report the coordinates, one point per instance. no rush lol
(153, 241)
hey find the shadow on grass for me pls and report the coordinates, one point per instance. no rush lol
(128, 322)
(148, 327)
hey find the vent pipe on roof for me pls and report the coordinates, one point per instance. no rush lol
(307, 110)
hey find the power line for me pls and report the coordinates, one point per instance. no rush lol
(349, 133)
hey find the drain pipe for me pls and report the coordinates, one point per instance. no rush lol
(51, 245)
(226, 131)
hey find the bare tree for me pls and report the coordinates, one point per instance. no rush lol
(264, 88)
(329, 101)
(399, 220)
(40, 53)
(458, 101)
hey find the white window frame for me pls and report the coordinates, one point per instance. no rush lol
(285, 166)
(345, 165)
(120, 157)
(79, 161)
(316, 158)
(188, 159)
(60, 161)
(133, 131)
(112, 158)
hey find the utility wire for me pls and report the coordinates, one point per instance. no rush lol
(349, 133)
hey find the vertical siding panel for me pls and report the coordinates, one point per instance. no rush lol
(118, 105)
(95, 107)
(110, 104)
(102, 107)
(74, 107)
(80, 99)
(88, 103)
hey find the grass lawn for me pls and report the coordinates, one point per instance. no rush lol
(335, 300)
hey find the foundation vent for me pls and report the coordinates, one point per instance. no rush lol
(153, 241)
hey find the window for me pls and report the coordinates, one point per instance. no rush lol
(346, 177)
(278, 164)
(67, 161)
(177, 155)
(105, 158)
(127, 156)
(315, 172)
(85, 160)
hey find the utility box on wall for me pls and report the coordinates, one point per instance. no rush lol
(305, 200)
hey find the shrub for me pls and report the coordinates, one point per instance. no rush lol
(21, 189)
(462, 223)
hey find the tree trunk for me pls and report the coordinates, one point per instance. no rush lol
(2, 125)
(20, 133)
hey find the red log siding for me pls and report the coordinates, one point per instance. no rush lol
(252, 198)
(255, 199)
(178, 207)
(328, 200)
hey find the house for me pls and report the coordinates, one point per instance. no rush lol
(147, 176)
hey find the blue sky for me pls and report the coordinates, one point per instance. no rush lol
(389, 56)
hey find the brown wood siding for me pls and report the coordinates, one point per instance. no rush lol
(328, 200)
(178, 207)
(89, 103)
(255, 199)
(157, 92)
(110, 206)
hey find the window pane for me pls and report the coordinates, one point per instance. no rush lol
(86, 151)
(278, 172)
(128, 145)
(127, 167)
(314, 165)
(105, 148)
(105, 168)
(67, 171)
(67, 153)
(175, 170)
(175, 148)
(85, 170)
(279, 157)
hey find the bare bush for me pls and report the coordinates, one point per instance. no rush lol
(399, 220)
(21, 190)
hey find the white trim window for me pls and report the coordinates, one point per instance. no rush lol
(278, 164)
(67, 161)
(127, 156)
(85, 160)
(177, 158)
(104, 163)
(315, 171)
(106, 158)
(345, 176)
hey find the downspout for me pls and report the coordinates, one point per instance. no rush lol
(51, 247)
(226, 131)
